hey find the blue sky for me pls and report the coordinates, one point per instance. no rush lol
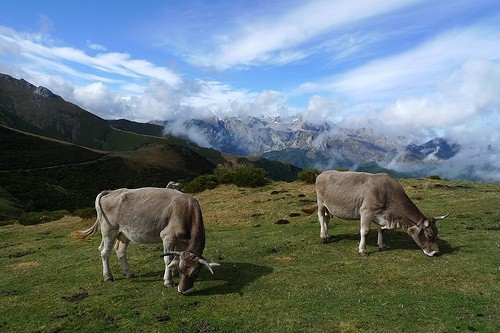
(403, 66)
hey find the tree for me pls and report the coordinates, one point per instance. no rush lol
(250, 177)
(308, 175)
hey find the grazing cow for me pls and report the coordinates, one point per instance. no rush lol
(152, 215)
(372, 198)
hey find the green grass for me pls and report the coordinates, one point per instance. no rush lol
(273, 277)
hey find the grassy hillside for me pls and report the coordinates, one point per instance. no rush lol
(40, 174)
(139, 128)
(23, 152)
(273, 277)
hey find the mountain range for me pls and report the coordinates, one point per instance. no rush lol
(329, 146)
(45, 140)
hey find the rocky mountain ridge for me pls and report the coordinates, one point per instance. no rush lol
(327, 145)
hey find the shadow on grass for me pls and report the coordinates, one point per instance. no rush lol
(235, 276)
(394, 239)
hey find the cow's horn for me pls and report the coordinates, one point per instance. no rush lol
(208, 265)
(441, 217)
(172, 253)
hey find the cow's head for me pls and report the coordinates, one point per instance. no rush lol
(425, 234)
(188, 265)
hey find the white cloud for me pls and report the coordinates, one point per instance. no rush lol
(468, 98)
(417, 71)
(272, 39)
(321, 108)
(447, 86)
(110, 84)
(46, 24)
(35, 50)
(160, 101)
(95, 46)
(478, 162)
(8, 46)
(102, 100)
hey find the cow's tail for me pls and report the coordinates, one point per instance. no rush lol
(93, 229)
(311, 210)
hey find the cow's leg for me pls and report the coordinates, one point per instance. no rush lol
(168, 245)
(380, 240)
(105, 248)
(364, 231)
(121, 252)
(324, 220)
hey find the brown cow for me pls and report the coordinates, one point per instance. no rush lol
(372, 198)
(152, 215)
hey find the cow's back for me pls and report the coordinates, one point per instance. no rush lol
(345, 193)
(141, 214)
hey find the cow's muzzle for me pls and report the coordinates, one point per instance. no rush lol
(185, 292)
(433, 253)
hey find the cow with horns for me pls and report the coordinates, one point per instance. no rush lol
(372, 198)
(152, 215)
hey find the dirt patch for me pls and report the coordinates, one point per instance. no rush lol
(272, 250)
(20, 254)
(204, 327)
(192, 305)
(162, 317)
(278, 192)
(76, 297)
(9, 293)
(26, 265)
(61, 315)
(494, 228)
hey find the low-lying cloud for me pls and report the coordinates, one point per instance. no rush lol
(471, 162)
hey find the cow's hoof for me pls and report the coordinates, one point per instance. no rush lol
(363, 254)
(130, 275)
(383, 248)
(109, 279)
(325, 240)
(169, 284)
